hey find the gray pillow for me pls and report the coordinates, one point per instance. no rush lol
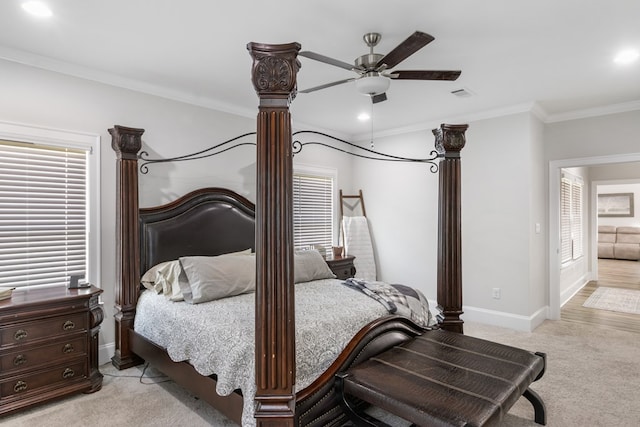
(309, 265)
(212, 278)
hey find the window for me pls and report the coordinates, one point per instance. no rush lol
(48, 207)
(571, 203)
(312, 210)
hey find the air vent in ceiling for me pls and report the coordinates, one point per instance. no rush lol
(462, 93)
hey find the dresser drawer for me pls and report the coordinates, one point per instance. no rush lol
(66, 348)
(27, 332)
(37, 381)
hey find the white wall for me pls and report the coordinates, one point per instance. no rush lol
(538, 288)
(606, 135)
(401, 203)
(46, 99)
(503, 196)
(496, 214)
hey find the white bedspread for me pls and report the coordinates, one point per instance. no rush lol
(218, 336)
(357, 242)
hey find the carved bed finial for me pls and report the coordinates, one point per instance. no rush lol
(126, 142)
(450, 139)
(274, 71)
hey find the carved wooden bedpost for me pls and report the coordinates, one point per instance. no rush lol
(274, 77)
(450, 139)
(126, 142)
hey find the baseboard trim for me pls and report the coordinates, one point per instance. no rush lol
(500, 318)
(105, 352)
(506, 320)
(566, 295)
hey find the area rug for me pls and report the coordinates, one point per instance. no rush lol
(614, 299)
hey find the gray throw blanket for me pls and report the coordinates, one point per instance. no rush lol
(397, 299)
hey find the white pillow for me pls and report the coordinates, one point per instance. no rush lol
(309, 265)
(164, 278)
(154, 277)
(212, 278)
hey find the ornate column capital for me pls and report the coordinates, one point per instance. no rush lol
(126, 142)
(450, 139)
(274, 72)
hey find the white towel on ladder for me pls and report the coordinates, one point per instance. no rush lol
(357, 242)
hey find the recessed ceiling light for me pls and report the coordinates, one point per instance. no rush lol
(363, 117)
(37, 8)
(626, 56)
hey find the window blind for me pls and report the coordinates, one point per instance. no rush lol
(312, 211)
(576, 219)
(43, 214)
(565, 220)
(571, 227)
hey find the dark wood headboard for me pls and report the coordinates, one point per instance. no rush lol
(208, 222)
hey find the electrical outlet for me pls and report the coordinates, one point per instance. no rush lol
(495, 293)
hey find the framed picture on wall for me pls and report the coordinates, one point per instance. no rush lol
(615, 205)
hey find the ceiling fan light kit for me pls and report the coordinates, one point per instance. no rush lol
(373, 78)
(373, 84)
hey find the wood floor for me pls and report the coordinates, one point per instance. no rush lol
(615, 274)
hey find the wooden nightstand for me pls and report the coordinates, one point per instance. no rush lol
(48, 345)
(342, 266)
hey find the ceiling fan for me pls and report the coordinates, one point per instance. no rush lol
(374, 75)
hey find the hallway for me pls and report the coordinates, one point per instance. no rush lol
(615, 274)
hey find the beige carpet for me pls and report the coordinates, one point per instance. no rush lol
(614, 299)
(592, 379)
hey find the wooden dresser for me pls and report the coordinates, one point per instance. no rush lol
(48, 345)
(342, 266)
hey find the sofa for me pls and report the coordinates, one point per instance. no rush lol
(619, 242)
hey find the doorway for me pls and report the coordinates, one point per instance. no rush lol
(554, 222)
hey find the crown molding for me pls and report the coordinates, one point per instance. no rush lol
(594, 112)
(50, 64)
(86, 73)
(463, 118)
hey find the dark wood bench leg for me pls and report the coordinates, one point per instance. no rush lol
(544, 367)
(540, 416)
(540, 412)
(357, 419)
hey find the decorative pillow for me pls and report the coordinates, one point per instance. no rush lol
(168, 278)
(309, 265)
(212, 278)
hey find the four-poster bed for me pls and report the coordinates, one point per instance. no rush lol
(214, 221)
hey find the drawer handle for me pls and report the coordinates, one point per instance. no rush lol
(20, 334)
(68, 348)
(20, 359)
(68, 325)
(20, 386)
(68, 373)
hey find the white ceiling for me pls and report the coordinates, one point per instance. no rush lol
(512, 53)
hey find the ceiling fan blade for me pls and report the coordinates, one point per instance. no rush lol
(411, 45)
(326, 85)
(378, 98)
(424, 75)
(327, 60)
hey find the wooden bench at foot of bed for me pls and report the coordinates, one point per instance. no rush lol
(444, 378)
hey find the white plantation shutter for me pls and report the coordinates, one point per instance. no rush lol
(565, 220)
(571, 227)
(576, 219)
(312, 211)
(43, 214)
